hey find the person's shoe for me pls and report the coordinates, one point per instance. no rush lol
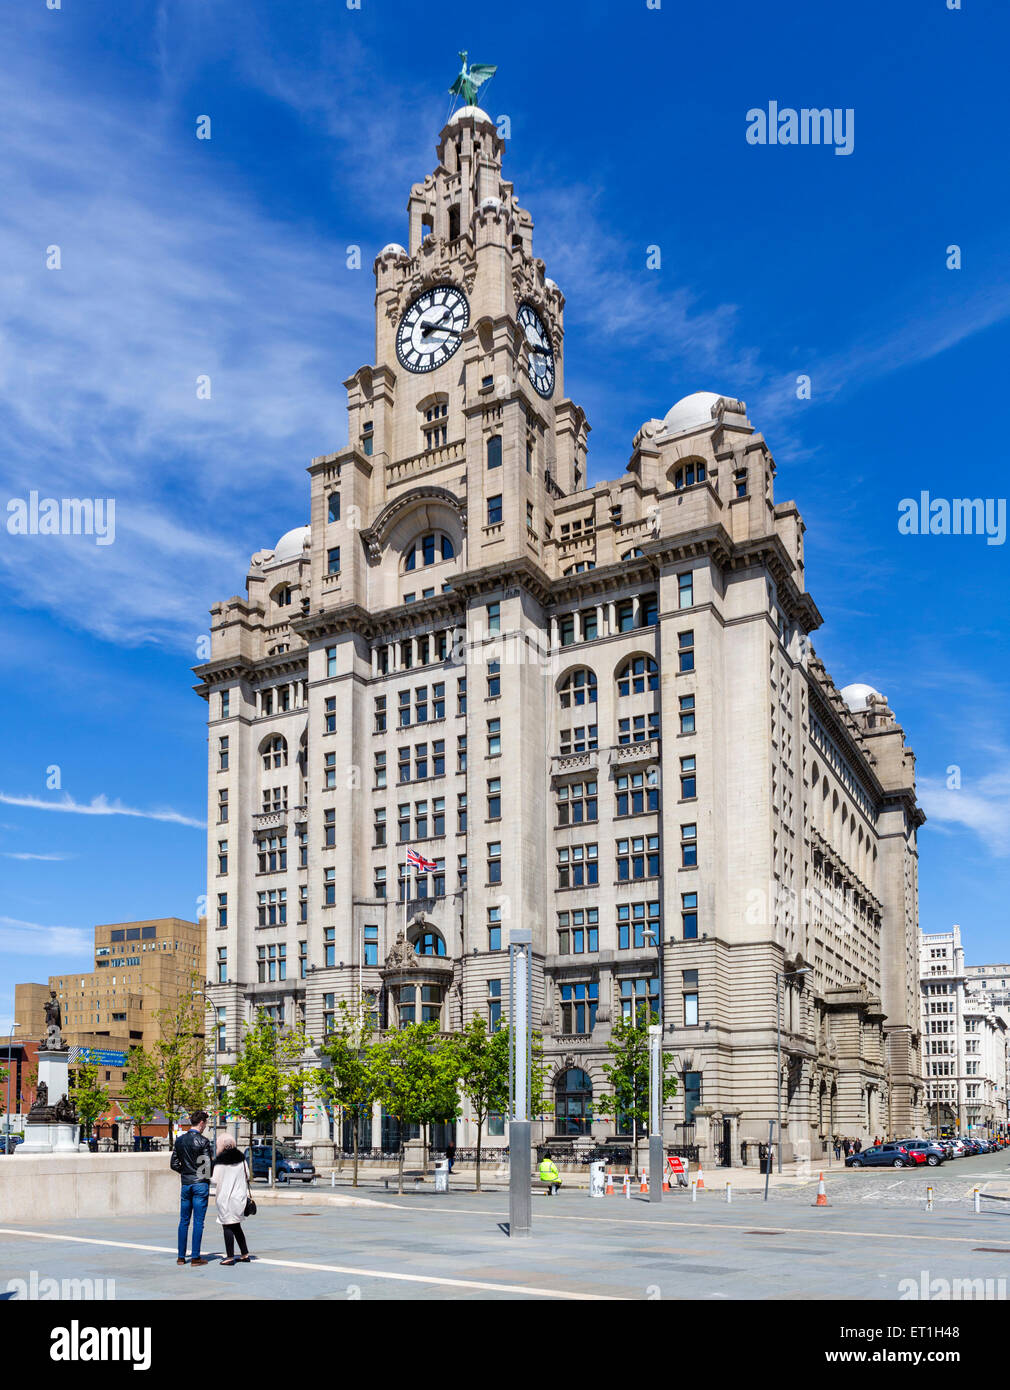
(199, 1262)
(180, 1261)
(226, 1262)
(243, 1259)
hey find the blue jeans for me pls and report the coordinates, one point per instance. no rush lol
(193, 1203)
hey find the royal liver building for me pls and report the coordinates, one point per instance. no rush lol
(478, 691)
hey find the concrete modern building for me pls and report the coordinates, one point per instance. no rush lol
(592, 708)
(964, 1037)
(141, 968)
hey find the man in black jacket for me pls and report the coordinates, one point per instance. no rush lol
(191, 1159)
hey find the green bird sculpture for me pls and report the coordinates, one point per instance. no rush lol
(469, 80)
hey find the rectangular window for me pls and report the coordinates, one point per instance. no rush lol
(637, 728)
(379, 883)
(685, 590)
(494, 511)
(222, 909)
(636, 794)
(333, 507)
(589, 624)
(494, 617)
(461, 753)
(688, 846)
(403, 764)
(380, 714)
(577, 803)
(380, 770)
(333, 560)
(222, 856)
(648, 610)
(421, 705)
(581, 739)
(371, 945)
(494, 798)
(461, 813)
(685, 651)
(303, 907)
(578, 866)
(529, 517)
(461, 695)
(566, 629)
(494, 862)
(639, 999)
(329, 828)
(329, 887)
(222, 965)
(222, 754)
(689, 915)
(438, 699)
(222, 806)
(225, 704)
(331, 661)
(494, 928)
(493, 680)
(329, 771)
(637, 925)
(624, 613)
(438, 758)
(403, 823)
(578, 1007)
(638, 858)
(578, 931)
(494, 452)
(330, 947)
(493, 738)
(688, 780)
(493, 1005)
(690, 1010)
(687, 714)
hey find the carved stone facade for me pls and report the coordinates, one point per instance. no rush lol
(595, 707)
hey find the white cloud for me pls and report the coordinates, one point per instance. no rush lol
(100, 806)
(981, 806)
(49, 858)
(34, 939)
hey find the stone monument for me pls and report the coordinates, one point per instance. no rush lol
(51, 1125)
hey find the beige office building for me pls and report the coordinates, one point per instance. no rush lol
(593, 707)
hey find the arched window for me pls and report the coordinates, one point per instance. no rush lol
(637, 675)
(633, 554)
(429, 943)
(573, 1102)
(434, 421)
(578, 688)
(494, 451)
(275, 752)
(689, 474)
(429, 549)
(282, 595)
(333, 507)
(581, 566)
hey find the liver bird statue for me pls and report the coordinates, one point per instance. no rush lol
(470, 79)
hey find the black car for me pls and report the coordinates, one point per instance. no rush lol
(881, 1156)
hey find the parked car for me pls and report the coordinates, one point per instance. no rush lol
(892, 1155)
(933, 1153)
(9, 1142)
(971, 1147)
(292, 1165)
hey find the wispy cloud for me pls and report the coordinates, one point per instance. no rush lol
(982, 807)
(99, 806)
(48, 858)
(35, 939)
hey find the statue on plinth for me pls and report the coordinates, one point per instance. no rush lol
(54, 1022)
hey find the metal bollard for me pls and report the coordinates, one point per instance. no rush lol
(729, 1193)
(694, 1190)
(333, 1178)
(929, 1199)
(978, 1200)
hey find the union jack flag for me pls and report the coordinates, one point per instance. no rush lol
(424, 866)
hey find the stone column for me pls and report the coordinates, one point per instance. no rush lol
(703, 1135)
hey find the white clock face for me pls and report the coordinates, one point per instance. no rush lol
(431, 329)
(541, 354)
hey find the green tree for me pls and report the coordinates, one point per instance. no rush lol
(628, 1074)
(441, 1097)
(179, 1058)
(266, 1081)
(484, 1072)
(89, 1098)
(141, 1087)
(347, 1083)
(402, 1064)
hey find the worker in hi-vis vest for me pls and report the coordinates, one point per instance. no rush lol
(549, 1174)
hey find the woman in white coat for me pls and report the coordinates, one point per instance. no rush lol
(230, 1178)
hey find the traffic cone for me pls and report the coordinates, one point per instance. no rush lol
(666, 1179)
(627, 1184)
(822, 1196)
(700, 1180)
(644, 1185)
(610, 1182)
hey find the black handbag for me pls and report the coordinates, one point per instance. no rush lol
(250, 1207)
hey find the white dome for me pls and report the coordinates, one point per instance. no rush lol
(469, 113)
(551, 284)
(690, 412)
(857, 696)
(291, 544)
(393, 248)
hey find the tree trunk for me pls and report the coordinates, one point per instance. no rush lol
(424, 1151)
(357, 1121)
(399, 1187)
(480, 1123)
(273, 1150)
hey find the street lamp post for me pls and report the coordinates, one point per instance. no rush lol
(10, 1045)
(781, 975)
(656, 1085)
(520, 1079)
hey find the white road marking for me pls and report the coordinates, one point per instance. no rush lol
(333, 1269)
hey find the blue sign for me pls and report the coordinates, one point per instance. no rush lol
(98, 1057)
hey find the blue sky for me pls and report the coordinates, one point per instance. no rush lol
(227, 257)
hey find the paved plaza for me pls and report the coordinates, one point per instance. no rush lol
(874, 1240)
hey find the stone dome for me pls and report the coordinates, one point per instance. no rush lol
(393, 248)
(468, 113)
(690, 412)
(291, 544)
(857, 697)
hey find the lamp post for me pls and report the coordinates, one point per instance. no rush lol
(10, 1044)
(656, 1084)
(781, 975)
(520, 1079)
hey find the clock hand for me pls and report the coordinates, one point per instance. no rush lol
(453, 332)
(430, 325)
